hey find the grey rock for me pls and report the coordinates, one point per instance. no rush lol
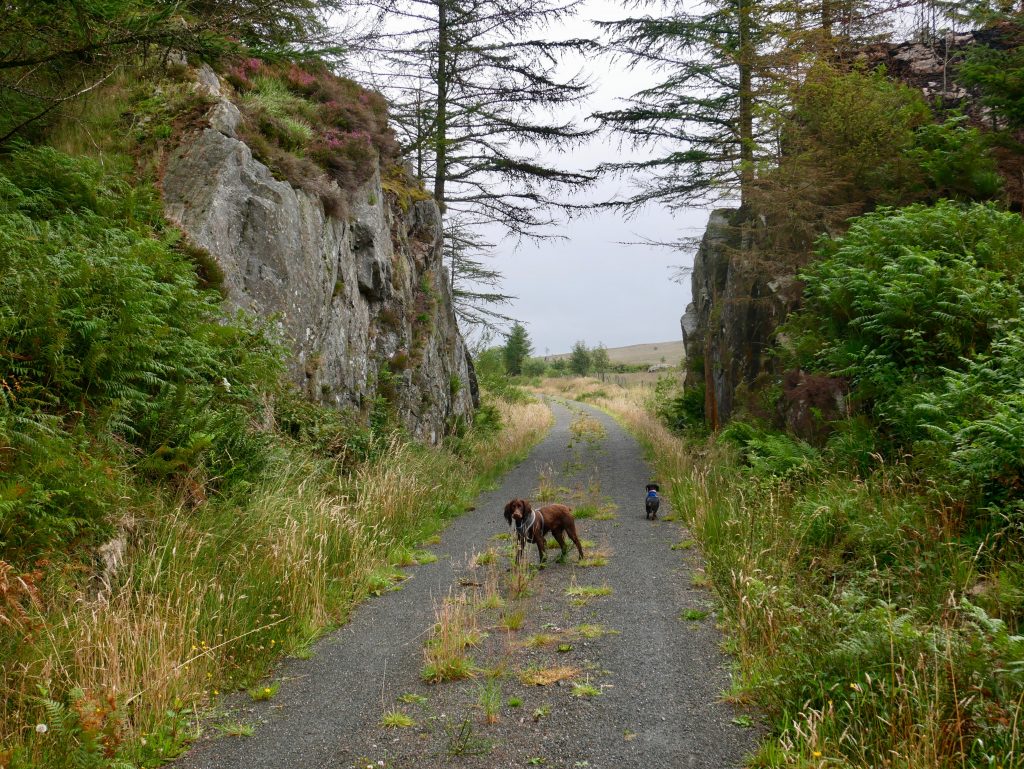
(356, 302)
(729, 327)
(224, 117)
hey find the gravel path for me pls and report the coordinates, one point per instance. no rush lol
(643, 683)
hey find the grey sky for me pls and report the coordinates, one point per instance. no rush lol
(591, 286)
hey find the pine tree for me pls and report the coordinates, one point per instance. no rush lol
(517, 348)
(715, 117)
(475, 287)
(700, 117)
(474, 91)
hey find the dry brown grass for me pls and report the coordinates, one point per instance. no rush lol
(545, 676)
(210, 596)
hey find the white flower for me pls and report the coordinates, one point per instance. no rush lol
(42, 728)
(227, 385)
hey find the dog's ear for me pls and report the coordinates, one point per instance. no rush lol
(527, 507)
(508, 511)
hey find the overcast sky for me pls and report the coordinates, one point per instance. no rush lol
(592, 286)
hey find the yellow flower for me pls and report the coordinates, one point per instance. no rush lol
(215, 692)
(266, 690)
(816, 754)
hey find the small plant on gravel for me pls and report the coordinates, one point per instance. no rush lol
(490, 700)
(694, 615)
(515, 702)
(512, 620)
(518, 581)
(685, 544)
(582, 594)
(433, 539)
(460, 740)
(454, 629)
(411, 698)
(700, 579)
(488, 556)
(235, 729)
(588, 429)
(263, 693)
(396, 719)
(540, 639)
(585, 690)
(542, 712)
(423, 557)
(546, 488)
(545, 676)
(384, 580)
(592, 561)
(564, 648)
(591, 631)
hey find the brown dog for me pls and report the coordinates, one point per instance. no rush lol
(534, 526)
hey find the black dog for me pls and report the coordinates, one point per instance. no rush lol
(652, 502)
(534, 526)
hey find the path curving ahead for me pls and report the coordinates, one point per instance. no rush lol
(646, 693)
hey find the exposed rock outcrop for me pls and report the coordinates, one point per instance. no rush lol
(737, 303)
(363, 303)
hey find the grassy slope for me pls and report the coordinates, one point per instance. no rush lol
(643, 354)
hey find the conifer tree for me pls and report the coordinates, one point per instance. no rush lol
(517, 348)
(474, 90)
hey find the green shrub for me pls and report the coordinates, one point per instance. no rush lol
(110, 354)
(769, 454)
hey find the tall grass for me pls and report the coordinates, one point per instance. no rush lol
(851, 607)
(210, 596)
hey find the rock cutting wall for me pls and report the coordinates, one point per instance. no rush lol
(363, 303)
(737, 304)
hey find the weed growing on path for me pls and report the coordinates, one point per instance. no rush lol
(397, 719)
(454, 630)
(263, 693)
(585, 690)
(694, 615)
(512, 620)
(490, 700)
(460, 740)
(582, 594)
(235, 729)
(545, 676)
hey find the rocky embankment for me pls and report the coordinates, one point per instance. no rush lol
(363, 303)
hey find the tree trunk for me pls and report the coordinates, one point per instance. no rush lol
(441, 129)
(746, 97)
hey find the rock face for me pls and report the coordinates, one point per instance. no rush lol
(363, 304)
(729, 326)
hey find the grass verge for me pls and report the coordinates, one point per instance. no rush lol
(208, 596)
(853, 607)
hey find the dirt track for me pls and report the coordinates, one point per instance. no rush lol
(644, 688)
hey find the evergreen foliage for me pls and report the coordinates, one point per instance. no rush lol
(517, 348)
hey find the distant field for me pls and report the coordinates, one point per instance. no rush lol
(649, 354)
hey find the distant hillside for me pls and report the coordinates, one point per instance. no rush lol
(635, 354)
